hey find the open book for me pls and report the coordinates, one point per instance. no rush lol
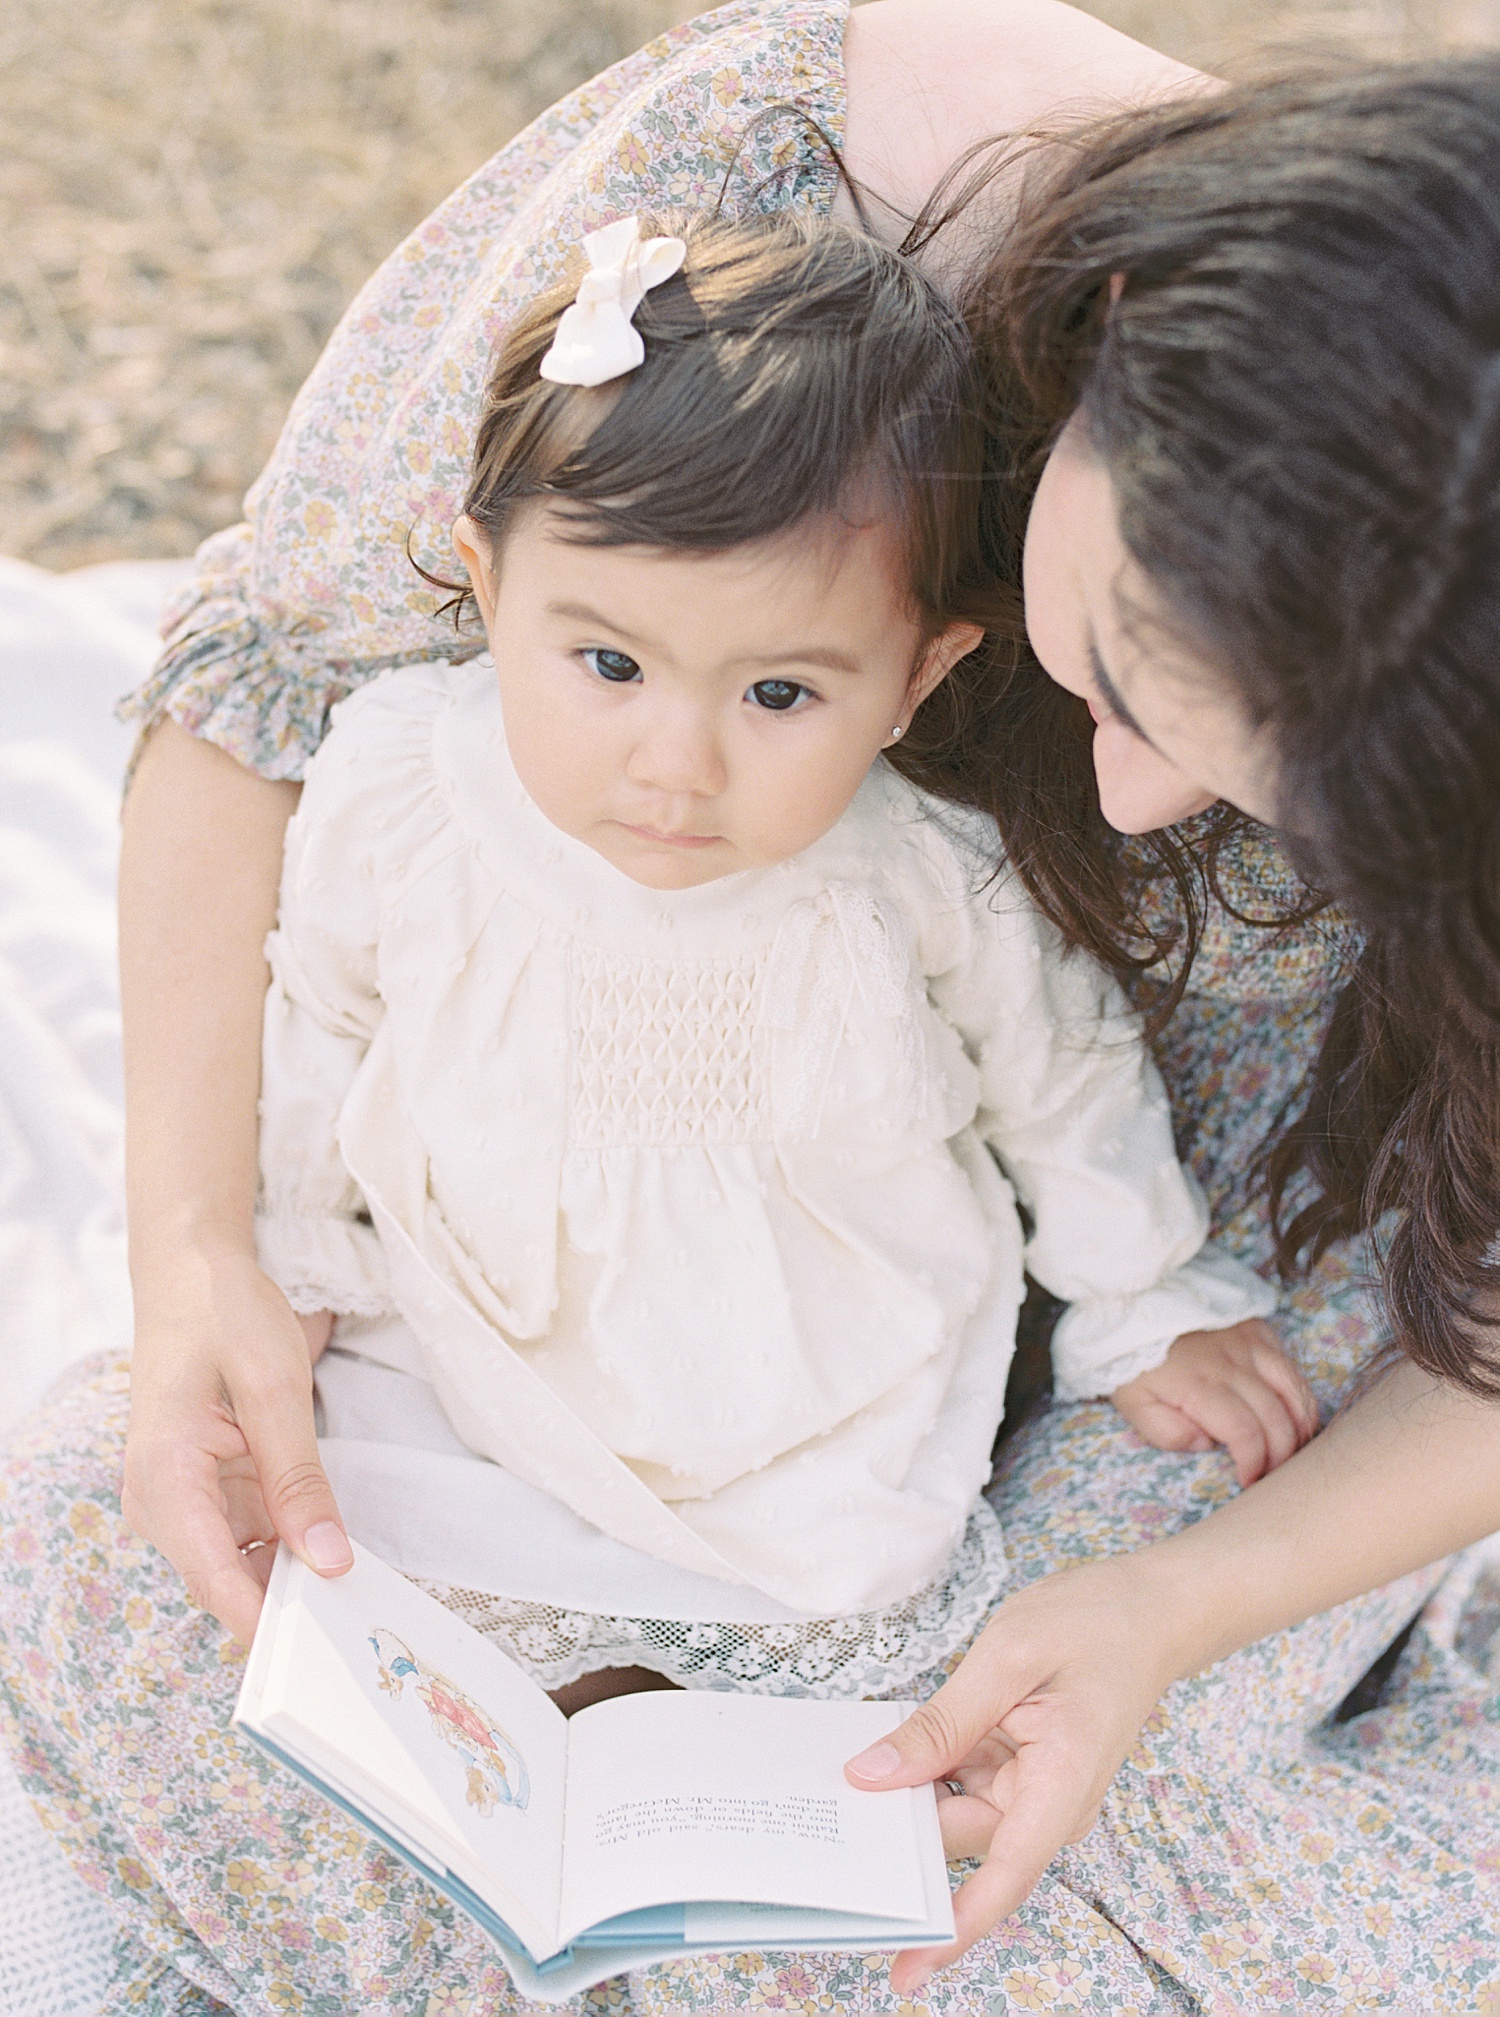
(642, 1829)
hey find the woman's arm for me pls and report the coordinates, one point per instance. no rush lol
(1407, 1474)
(221, 1447)
(1053, 1694)
(929, 79)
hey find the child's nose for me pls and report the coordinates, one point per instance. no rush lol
(678, 751)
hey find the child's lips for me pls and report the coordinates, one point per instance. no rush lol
(659, 839)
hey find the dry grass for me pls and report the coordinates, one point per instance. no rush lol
(1223, 35)
(191, 190)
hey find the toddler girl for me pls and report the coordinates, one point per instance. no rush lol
(667, 1094)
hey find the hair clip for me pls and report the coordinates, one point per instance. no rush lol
(596, 339)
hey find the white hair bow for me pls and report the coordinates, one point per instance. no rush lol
(596, 339)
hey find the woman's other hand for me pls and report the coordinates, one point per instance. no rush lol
(1236, 1387)
(222, 1450)
(1033, 1726)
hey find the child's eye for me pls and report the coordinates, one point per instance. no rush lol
(776, 694)
(615, 665)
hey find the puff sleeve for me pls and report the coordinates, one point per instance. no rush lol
(313, 1235)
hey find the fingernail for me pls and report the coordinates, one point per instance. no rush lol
(326, 1546)
(919, 1982)
(881, 1761)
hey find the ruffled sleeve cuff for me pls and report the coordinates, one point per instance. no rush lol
(1101, 1343)
(259, 693)
(321, 1262)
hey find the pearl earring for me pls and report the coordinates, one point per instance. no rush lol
(898, 731)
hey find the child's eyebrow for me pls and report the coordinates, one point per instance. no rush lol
(807, 654)
(1110, 694)
(581, 612)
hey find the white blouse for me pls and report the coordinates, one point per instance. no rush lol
(709, 1209)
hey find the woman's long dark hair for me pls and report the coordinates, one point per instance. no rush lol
(1297, 396)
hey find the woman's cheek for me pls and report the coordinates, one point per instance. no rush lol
(1138, 789)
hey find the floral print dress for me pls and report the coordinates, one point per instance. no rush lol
(1258, 1851)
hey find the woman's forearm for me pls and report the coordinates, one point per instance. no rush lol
(222, 1449)
(930, 79)
(199, 869)
(1409, 1473)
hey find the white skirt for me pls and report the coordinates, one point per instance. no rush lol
(562, 1598)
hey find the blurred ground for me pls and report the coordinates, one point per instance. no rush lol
(1223, 34)
(190, 190)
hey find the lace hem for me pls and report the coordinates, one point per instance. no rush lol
(1210, 1292)
(321, 1262)
(871, 1655)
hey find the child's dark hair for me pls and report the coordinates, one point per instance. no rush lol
(795, 371)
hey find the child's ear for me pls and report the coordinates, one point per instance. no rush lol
(942, 654)
(475, 549)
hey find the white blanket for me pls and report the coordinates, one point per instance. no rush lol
(69, 645)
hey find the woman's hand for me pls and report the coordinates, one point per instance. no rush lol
(1033, 1726)
(1236, 1387)
(1050, 1698)
(222, 1450)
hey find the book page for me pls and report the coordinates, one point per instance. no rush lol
(719, 1925)
(424, 1724)
(683, 1797)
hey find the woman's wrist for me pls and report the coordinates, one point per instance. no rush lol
(1122, 1602)
(1186, 1604)
(195, 1231)
(1179, 1603)
(1229, 1579)
(169, 1260)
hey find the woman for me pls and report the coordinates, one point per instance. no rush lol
(1269, 575)
(1248, 1853)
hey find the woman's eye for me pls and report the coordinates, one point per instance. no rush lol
(615, 665)
(776, 694)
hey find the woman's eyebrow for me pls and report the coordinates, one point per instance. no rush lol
(1110, 694)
